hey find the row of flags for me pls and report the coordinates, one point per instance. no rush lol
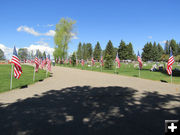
(117, 60)
(38, 62)
(42, 62)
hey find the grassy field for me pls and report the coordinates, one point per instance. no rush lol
(25, 79)
(129, 70)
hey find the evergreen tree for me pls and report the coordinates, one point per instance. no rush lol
(39, 53)
(154, 52)
(73, 59)
(115, 52)
(130, 51)
(179, 49)
(147, 52)
(109, 55)
(84, 51)
(166, 47)
(123, 50)
(79, 51)
(97, 51)
(23, 53)
(160, 51)
(89, 51)
(174, 47)
(2, 57)
(44, 55)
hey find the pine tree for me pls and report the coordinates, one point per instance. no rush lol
(73, 59)
(84, 51)
(166, 47)
(123, 51)
(179, 49)
(97, 51)
(154, 52)
(109, 55)
(160, 51)
(44, 55)
(147, 52)
(79, 51)
(115, 52)
(2, 57)
(88, 51)
(130, 51)
(174, 47)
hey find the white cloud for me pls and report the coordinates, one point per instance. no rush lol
(35, 33)
(74, 36)
(41, 45)
(163, 42)
(50, 33)
(150, 37)
(7, 51)
(50, 25)
(28, 30)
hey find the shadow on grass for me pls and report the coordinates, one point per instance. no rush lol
(175, 73)
(88, 111)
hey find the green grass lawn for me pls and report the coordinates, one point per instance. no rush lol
(26, 77)
(129, 70)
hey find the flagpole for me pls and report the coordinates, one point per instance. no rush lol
(34, 74)
(139, 71)
(91, 64)
(46, 71)
(11, 76)
(101, 66)
(115, 66)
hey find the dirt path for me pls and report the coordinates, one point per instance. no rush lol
(68, 77)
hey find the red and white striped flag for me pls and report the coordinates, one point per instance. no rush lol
(49, 63)
(102, 63)
(92, 61)
(77, 61)
(62, 60)
(17, 65)
(82, 62)
(117, 60)
(67, 60)
(170, 62)
(139, 60)
(37, 62)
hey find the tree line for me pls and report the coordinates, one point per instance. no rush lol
(151, 52)
(24, 54)
(155, 52)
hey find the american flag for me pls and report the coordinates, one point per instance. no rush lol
(37, 62)
(170, 62)
(92, 60)
(17, 65)
(49, 63)
(102, 64)
(82, 62)
(77, 61)
(139, 60)
(117, 60)
(67, 60)
(62, 60)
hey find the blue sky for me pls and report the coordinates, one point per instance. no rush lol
(28, 23)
